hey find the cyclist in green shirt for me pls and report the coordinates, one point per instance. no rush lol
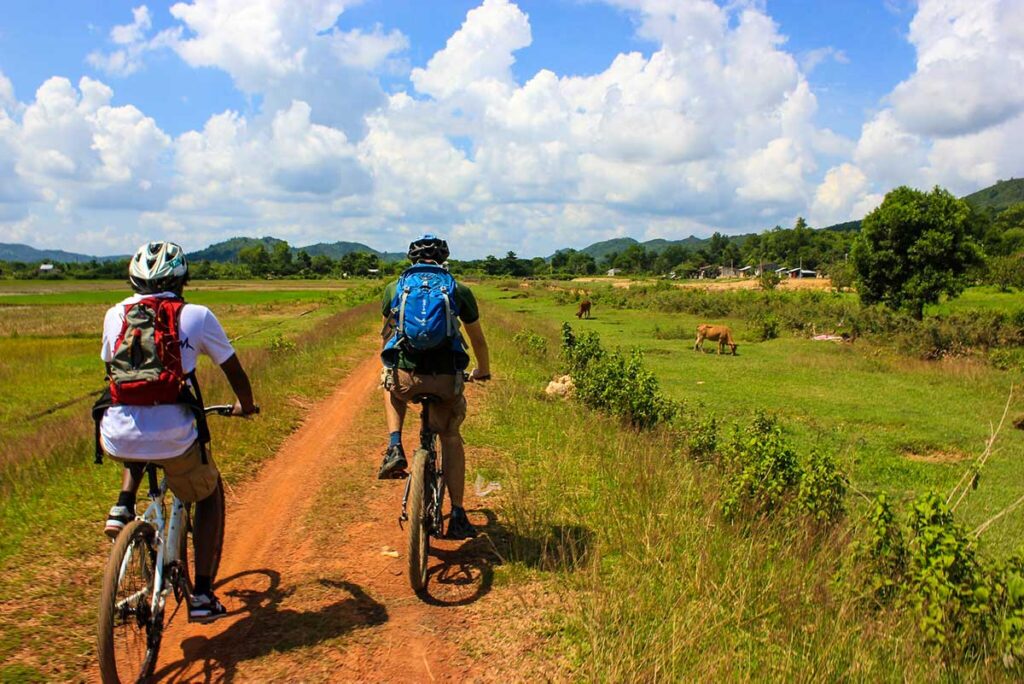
(437, 372)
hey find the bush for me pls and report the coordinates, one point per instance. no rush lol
(531, 343)
(769, 280)
(766, 470)
(611, 382)
(822, 490)
(703, 439)
(280, 344)
(766, 327)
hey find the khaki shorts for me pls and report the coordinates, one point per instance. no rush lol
(188, 477)
(447, 415)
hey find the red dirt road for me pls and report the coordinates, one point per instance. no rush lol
(309, 574)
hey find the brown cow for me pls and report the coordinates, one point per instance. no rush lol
(584, 309)
(716, 333)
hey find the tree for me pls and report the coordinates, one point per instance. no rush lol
(281, 258)
(915, 247)
(1006, 272)
(256, 258)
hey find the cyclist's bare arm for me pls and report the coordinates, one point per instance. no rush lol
(480, 350)
(240, 385)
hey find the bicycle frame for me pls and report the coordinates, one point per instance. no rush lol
(169, 530)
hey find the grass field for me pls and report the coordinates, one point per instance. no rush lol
(651, 583)
(895, 423)
(52, 497)
(50, 335)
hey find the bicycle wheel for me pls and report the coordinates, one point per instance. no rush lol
(419, 535)
(129, 633)
(187, 542)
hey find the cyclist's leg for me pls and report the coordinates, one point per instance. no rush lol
(396, 397)
(123, 512)
(449, 415)
(191, 480)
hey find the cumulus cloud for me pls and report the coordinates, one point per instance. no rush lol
(956, 121)
(715, 128)
(970, 64)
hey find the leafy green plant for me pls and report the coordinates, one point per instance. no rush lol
(279, 344)
(822, 490)
(703, 439)
(769, 280)
(612, 382)
(767, 471)
(531, 343)
(766, 327)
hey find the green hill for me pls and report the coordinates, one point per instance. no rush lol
(31, 255)
(229, 249)
(998, 197)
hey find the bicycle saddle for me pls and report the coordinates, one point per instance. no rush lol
(426, 399)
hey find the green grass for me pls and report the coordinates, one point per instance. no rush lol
(51, 552)
(882, 414)
(653, 584)
(983, 298)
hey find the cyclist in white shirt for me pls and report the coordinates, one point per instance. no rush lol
(168, 434)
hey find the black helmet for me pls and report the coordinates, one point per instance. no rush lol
(428, 248)
(158, 267)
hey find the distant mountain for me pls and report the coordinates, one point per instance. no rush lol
(229, 249)
(999, 196)
(336, 250)
(31, 255)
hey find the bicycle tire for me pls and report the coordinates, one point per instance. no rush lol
(137, 536)
(419, 535)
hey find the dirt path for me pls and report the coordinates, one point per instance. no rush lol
(309, 574)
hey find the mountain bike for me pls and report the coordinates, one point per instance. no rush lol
(149, 561)
(424, 497)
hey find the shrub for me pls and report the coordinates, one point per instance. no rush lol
(766, 327)
(280, 344)
(766, 470)
(822, 489)
(703, 439)
(531, 343)
(769, 280)
(611, 382)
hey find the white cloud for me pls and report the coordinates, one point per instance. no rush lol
(970, 64)
(956, 121)
(715, 128)
(812, 59)
(479, 53)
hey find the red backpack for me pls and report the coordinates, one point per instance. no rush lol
(146, 369)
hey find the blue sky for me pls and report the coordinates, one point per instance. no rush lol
(398, 132)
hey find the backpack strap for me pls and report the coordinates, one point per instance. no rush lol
(98, 410)
(448, 316)
(194, 399)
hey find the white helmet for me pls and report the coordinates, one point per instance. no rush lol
(158, 267)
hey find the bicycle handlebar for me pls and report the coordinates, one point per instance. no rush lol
(225, 410)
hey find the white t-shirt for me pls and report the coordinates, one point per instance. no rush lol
(153, 433)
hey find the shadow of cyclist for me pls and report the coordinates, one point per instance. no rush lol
(260, 626)
(464, 574)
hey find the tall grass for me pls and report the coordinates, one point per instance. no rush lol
(660, 586)
(54, 499)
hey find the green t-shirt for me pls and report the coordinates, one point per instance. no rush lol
(437, 361)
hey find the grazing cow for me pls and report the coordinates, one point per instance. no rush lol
(584, 309)
(716, 333)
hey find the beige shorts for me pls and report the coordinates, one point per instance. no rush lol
(447, 415)
(188, 477)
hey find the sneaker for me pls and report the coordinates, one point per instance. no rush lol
(118, 517)
(394, 464)
(459, 526)
(205, 608)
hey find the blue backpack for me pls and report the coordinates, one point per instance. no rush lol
(425, 315)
